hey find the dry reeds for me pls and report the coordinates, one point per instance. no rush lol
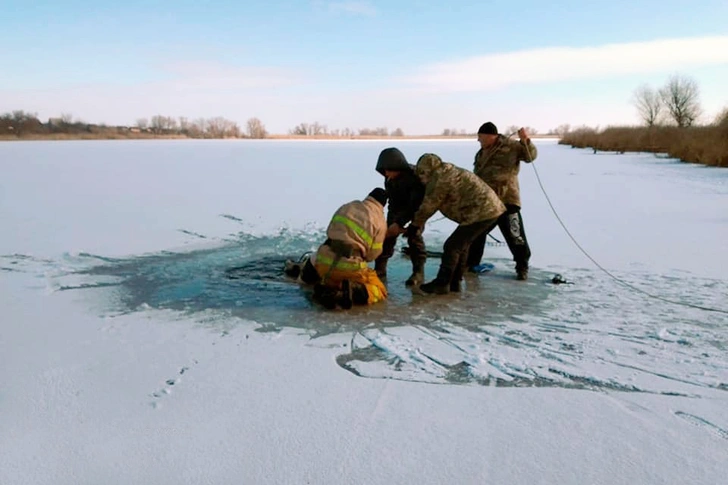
(707, 145)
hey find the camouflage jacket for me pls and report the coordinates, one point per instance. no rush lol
(456, 192)
(499, 165)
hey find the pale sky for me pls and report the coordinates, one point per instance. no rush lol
(421, 66)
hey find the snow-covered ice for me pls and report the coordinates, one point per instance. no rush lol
(147, 335)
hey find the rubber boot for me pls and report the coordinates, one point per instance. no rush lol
(292, 269)
(380, 266)
(418, 274)
(346, 300)
(441, 284)
(359, 294)
(521, 272)
(325, 296)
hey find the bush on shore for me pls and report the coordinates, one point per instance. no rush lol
(707, 145)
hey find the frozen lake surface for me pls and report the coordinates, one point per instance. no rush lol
(149, 335)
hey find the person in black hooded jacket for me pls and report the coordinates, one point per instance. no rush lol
(405, 192)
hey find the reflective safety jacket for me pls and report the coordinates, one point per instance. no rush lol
(355, 236)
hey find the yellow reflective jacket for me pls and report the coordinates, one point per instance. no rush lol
(360, 224)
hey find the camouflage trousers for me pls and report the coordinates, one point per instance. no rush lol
(511, 226)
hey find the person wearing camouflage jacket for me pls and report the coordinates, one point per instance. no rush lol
(462, 197)
(498, 163)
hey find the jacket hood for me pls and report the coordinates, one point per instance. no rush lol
(392, 159)
(427, 164)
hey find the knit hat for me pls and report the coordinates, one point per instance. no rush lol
(380, 195)
(488, 129)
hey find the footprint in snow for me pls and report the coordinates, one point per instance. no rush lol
(167, 389)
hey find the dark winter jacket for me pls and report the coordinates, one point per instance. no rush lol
(405, 191)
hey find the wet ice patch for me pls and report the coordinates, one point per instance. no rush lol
(594, 334)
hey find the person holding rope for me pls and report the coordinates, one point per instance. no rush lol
(338, 271)
(497, 163)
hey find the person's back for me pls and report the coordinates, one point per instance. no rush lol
(462, 197)
(354, 237)
(457, 193)
(356, 231)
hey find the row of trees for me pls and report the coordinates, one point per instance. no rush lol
(217, 127)
(509, 130)
(317, 129)
(21, 123)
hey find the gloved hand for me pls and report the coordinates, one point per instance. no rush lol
(411, 231)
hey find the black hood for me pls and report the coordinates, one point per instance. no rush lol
(393, 159)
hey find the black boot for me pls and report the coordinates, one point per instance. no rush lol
(292, 269)
(346, 300)
(457, 277)
(441, 284)
(456, 280)
(521, 272)
(325, 296)
(359, 294)
(418, 273)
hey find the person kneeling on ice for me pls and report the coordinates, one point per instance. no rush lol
(462, 197)
(405, 192)
(338, 271)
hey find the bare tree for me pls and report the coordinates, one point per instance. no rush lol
(184, 124)
(220, 127)
(530, 131)
(648, 103)
(142, 123)
(161, 124)
(197, 128)
(317, 128)
(255, 128)
(67, 118)
(680, 96)
(301, 129)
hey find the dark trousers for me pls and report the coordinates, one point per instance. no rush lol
(511, 226)
(457, 246)
(417, 254)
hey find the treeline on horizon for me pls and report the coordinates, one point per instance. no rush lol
(21, 124)
(670, 117)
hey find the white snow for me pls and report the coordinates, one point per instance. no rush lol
(130, 352)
